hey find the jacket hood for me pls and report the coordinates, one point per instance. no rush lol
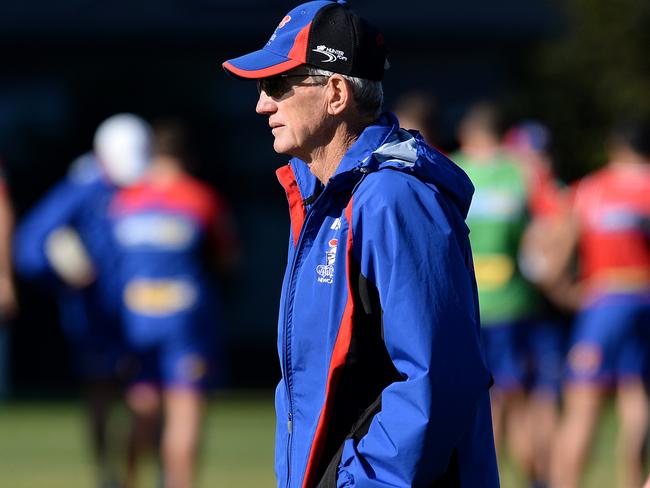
(385, 145)
(407, 151)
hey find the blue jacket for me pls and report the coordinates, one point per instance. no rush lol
(384, 381)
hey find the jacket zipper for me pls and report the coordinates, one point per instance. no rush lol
(289, 308)
(287, 342)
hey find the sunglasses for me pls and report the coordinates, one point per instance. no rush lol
(278, 85)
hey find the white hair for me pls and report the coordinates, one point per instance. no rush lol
(368, 94)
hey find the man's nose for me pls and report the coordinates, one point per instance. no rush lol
(265, 104)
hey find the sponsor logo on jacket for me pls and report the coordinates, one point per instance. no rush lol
(326, 271)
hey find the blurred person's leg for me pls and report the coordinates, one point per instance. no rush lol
(517, 429)
(645, 332)
(181, 436)
(187, 370)
(510, 425)
(632, 400)
(497, 406)
(592, 367)
(543, 418)
(99, 362)
(507, 395)
(632, 406)
(100, 399)
(145, 402)
(491, 338)
(546, 349)
(582, 404)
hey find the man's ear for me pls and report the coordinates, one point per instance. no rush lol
(339, 94)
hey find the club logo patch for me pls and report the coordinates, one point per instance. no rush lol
(330, 54)
(326, 271)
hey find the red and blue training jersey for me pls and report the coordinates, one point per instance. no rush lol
(613, 208)
(165, 235)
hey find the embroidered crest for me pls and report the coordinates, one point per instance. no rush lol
(326, 271)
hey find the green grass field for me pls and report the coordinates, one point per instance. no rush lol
(43, 445)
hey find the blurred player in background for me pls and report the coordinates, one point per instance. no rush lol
(8, 304)
(65, 243)
(609, 349)
(169, 229)
(418, 110)
(543, 339)
(497, 220)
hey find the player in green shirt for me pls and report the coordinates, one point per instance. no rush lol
(497, 220)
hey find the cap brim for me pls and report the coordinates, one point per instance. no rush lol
(259, 64)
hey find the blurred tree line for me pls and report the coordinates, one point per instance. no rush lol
(593, 74)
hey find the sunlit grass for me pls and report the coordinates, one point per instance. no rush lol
(601, 468)
(44, 445)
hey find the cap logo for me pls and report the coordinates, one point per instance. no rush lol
(331, 55)
(285, 21)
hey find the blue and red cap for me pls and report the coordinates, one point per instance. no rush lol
(324, 34)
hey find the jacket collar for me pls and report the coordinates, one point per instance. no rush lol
(358, 156)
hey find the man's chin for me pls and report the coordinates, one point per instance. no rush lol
(282, 149)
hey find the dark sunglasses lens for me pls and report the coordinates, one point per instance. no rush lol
(274, 86)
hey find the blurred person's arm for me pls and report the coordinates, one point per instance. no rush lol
(68, 257)
(8, 302)
(37, 237)
(548, 246)
(548, 254)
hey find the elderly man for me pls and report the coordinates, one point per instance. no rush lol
(384, 381)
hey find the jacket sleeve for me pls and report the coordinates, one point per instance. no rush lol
(56, 209)
(412, 244)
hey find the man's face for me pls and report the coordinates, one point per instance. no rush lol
(296, 106)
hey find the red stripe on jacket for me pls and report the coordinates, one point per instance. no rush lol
(339, 355)
(297, 212)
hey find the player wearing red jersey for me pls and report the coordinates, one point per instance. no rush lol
(165, 226)
(609, 347)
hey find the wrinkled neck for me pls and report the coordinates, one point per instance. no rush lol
(324, 160)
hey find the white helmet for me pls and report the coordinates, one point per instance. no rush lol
(123, 146)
